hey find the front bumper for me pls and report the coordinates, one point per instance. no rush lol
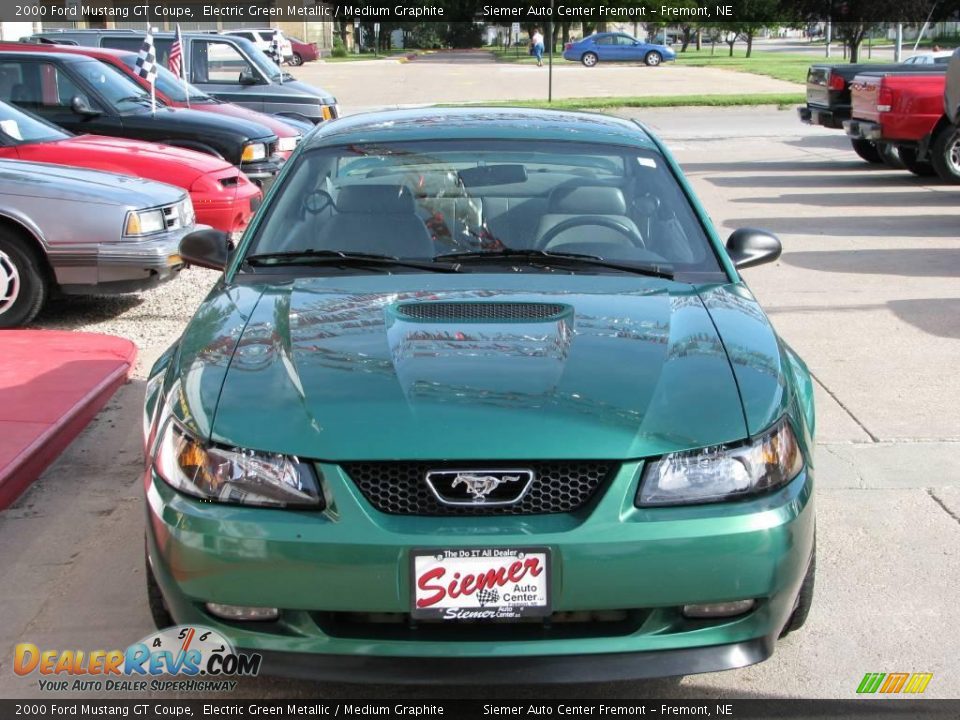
(352, 559)
(119, 267)
(863, 129)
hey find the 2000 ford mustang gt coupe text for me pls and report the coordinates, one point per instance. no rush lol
(482, 395)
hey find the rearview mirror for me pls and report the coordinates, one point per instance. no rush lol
(748, 247)
(247, 78)
(80, 106)
(206, 248)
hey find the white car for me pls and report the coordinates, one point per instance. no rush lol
(941, 57)
(263, 39)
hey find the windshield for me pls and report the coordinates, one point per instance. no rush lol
(120, 91)
(170, 85)
(18, 127)
(430, 199)
(256, 56)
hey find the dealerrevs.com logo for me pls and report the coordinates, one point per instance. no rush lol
(201, 658)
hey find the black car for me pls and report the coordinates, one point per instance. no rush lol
(229, 67)
(85, 95)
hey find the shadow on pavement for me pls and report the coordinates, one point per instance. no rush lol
(85, 308)
(908, 225)
(935, 316)
(920, 262)
(880, 200)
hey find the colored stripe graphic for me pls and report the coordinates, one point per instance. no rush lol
(870, 683)
(918, 682)
(894, 682)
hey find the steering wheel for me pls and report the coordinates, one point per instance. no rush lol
(317, 201)
(596, 220)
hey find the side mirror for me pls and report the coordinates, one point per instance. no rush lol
(248, 78)
(80, 106)
(206, 248)
(748, 247)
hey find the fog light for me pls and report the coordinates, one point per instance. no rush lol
(239, 612)
(718, 610)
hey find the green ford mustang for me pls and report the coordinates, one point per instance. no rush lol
(482, 396)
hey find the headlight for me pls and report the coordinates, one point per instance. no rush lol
(244, 477)
(254, 151)
(144, 222)
(288, 144)
(723, 472)
(187, 214)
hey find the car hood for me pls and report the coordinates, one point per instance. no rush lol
(297, 88)
(277, 127)
(149, 160)
(57, 182)
(345, 368)
(198, 124)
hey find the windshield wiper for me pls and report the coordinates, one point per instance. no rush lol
(343, 258)
(551, 258)
(135, 98)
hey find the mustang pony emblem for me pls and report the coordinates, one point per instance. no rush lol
(479, 487)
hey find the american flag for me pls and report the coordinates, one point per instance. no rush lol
(147, 59)
(175, 59)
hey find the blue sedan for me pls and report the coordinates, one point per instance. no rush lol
(616, 47)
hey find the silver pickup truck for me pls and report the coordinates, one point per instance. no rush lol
(78, 231)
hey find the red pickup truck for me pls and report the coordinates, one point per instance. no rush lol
(907, 111)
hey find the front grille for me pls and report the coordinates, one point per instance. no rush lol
(400, 488)
(558, 626)
(481, 311)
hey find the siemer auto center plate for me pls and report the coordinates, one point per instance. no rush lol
(480, 583)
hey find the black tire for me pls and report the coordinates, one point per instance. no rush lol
(945, 154)
(158, 606)
(24, 283)
(866, 149)
(889, 156)
(296, 60)
(922, 168)
(653, 58)
(589, 59)
(804, 597)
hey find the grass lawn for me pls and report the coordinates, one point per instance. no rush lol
(782, 100)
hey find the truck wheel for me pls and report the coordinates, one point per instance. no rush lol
(922, 168)
(653, 58)
(889, 156)
(23, 282)
(945, 154)
(589, 59)
(866, 149)
(804, 598)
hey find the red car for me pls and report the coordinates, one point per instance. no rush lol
(171, 92)
(302, 51)
(222, 196)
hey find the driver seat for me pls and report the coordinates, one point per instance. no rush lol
(576, 201)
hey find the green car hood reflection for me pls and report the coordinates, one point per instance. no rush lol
(531, 366)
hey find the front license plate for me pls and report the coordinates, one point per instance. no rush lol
(480, 583)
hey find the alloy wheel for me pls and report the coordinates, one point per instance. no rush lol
(953, 153)
(9, 282)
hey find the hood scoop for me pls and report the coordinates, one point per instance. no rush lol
(481, 311)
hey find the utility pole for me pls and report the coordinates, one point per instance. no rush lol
(829, 35)
(898, 48)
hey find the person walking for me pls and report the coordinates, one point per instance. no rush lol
(537, 41)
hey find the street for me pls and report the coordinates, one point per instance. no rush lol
(866, 291)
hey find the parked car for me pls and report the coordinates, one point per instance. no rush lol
(84, 95)
(221, 194)
(78, 231)
(173, 92)
(951, 96)
(263, 39)
(940, 57)
(906, 112)
(230, 68)
(582, 396)
(303, 52)
(828, 98)
(616, 47)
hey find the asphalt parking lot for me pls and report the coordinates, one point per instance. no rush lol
(866, 291)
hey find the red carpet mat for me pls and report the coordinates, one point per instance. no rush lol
(52, 383)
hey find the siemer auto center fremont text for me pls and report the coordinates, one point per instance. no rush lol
(602, 12)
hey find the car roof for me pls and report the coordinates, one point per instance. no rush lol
(34, 49)
(501, 123)
(19, 53)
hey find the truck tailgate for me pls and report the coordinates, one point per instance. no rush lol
(865, 91)
(818, 90)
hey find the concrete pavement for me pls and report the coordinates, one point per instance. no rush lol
(472, 76)
(866, 291)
